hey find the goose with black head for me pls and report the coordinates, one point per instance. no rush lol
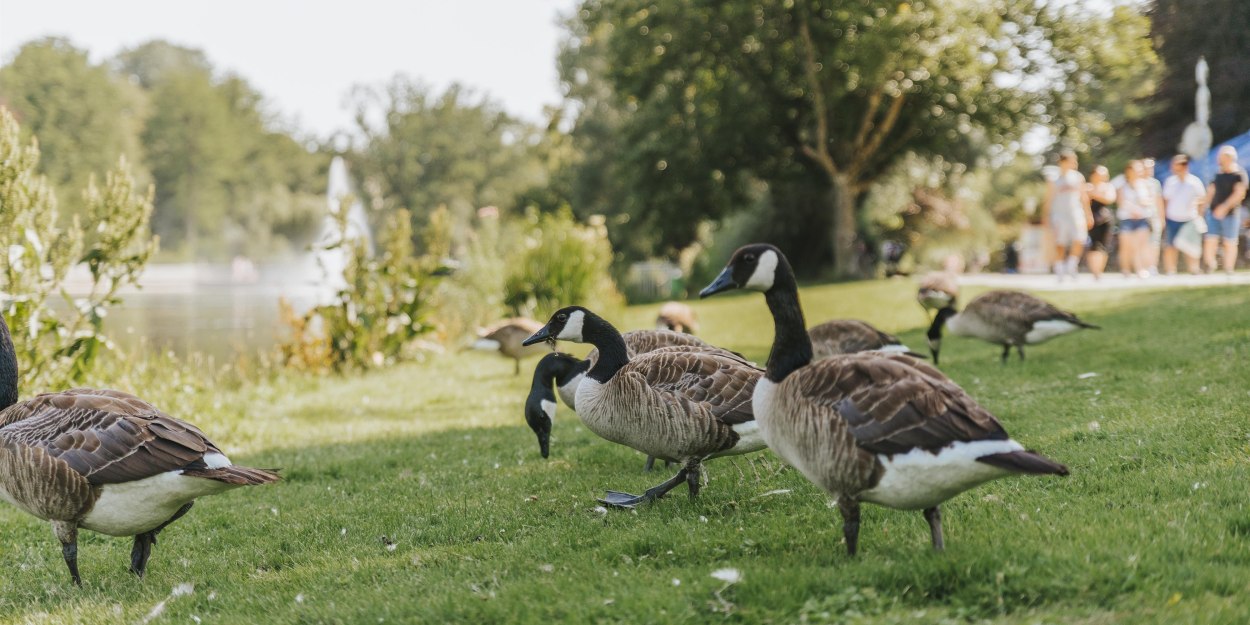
(881, 428)
(679, 405)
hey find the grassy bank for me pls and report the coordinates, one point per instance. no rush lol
(416, 494)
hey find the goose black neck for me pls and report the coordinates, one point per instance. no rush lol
(8, 367)
(939, 320)
(555, 367)
(792, 347)
(611, 345)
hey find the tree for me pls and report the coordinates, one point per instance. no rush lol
(1183, 31)
(823, 90)
(424, 150)
(84, 115)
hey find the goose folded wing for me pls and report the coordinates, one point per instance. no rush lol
(110, 437)
(721, 384)
(893, 404)
(1022, 310)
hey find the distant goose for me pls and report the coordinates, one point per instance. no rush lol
(937, 291)
(881, 428)
(848, 336)
(105, 461)
(677, 317)
(505, 337)
(1006, 318)
(679, 405)
(563, 373)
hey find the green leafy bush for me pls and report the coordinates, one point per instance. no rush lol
(377, 314)
(57, 348)
(560, 262)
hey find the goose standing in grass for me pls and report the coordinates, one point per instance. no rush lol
(679, 405)
(677, 317)
(848, 336)
(505, 337)
(881, 428)
(105, 461)
(1007, 318)
(937, 291)
(560, 372)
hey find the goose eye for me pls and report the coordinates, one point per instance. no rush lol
(750, 258)
(562, 317)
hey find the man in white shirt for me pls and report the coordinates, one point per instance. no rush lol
(1183, 197)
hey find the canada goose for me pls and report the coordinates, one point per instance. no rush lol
(1007, 318)
(847, 336)
(882, 428)
(680, 405)
(105, 461)
(505, 337)
(565, 372)
(937, 291)
(677, 317)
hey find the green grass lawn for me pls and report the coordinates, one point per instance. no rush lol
(416, 494)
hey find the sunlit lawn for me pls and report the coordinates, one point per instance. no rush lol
(434, 460)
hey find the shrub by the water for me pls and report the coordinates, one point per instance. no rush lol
(58, 348)
(561, 262)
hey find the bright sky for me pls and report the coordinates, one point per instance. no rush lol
(305, 55)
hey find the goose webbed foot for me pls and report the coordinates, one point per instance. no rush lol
(934, 517)
(140, 552)
(142, 549)
(617, 499)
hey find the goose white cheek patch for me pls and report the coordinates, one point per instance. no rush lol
(573, 328)
(765, 272)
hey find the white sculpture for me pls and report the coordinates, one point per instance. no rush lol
(1197, 139)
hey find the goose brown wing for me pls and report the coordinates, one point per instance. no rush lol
(107, 436)
(639, 342)
(1021, 310)
(722, 384)
(846, 336)
(893, 404)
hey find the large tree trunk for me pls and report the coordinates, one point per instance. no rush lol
(845, 237)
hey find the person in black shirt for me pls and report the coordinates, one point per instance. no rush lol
(1224, 195)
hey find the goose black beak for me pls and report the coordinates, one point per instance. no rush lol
(542, 335)
(544, 444)
(723, 282)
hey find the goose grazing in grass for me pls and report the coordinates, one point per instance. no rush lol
(848, 336)
(937, 291)
(560, 372)
(677, 317)
(680, 405)
(105, 461)
(1006, 318)
(881, 428)
(505, 337)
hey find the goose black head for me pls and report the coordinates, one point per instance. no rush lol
(935, 330)
(567, 324)
(753, 267)
(540, 406)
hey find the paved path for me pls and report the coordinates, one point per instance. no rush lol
(1086, 282)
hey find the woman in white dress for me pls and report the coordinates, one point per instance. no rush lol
(1068, 213)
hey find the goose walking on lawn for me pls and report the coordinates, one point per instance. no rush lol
(1007, 318)
(563, 373)
(679, 405)
(848, 336)
(505, 337)
(881, 428)
(105, 461)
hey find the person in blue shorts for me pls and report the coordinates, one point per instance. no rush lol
(1183, 198)
(1224, 195)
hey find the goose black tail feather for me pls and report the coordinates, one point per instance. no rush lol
(236, 475)
(1025, 462)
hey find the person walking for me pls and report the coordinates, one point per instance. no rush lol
(1152, 249)
(1136, 207)
(1102, 195)
(1224, 196)
(1066, 209)
(1183, 196)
